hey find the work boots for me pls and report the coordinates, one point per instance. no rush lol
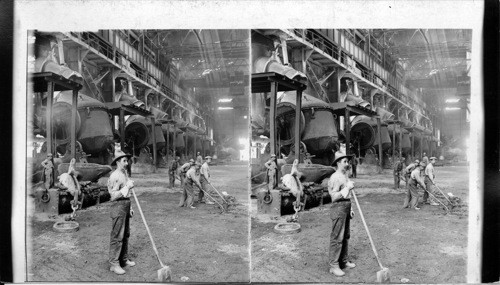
(117, 269)
(335, 270)
(349, 265)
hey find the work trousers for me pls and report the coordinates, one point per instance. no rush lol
(187, 196)
(431, 188)
(411, 198)
(340, 213)
(407, 177)
(120, 231)
(171, 177)
(271, 179)
(204, 186)
(182, 175)
(354, 172)
(397, 180)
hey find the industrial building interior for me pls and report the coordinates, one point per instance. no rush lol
(153, 94)
(381, 96)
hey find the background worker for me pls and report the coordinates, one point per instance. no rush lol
(339, 188)
(172, 170)
(192, 179)
(199, 158)
(409, 169)
(272, 172)
(205, 180)
(411, 199)
(184, 169)
(397, 171)
(429, 182)
(119, 186)
(354, 164)
(425, 159)
(48, 171)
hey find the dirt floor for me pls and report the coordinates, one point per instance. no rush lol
(426, 246)
(200, 244)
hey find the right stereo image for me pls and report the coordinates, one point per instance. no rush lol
(360, 155)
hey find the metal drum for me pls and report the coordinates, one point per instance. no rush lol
(320, 134)
(180, 141)
(386, 139)
(363, 130)
(425, 146)
(199, 144)
(160, 139)
(136, 132)
(95, 131)
(406, 143)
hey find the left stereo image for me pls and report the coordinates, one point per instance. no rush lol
(137, 154)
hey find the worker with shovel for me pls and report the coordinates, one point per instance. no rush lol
(205, 180)
(339, 187)
(184, 169)
(409, 169)
(429, 183)
(119, 185)
(411, 199)
(192, 179)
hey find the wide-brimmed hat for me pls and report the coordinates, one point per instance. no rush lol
(119, 154)
(423, 164)
(191, 160)
(339, 155)
(208, 157)
(273, 155)
(433, 158)
(197, 164)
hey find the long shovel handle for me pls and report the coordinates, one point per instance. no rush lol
(147, 228)
(443, 194)
(367, 230)
(212, 198)
(217, 192)
(430, 194)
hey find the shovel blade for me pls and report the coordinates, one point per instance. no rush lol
(383, 276)
(164, 274)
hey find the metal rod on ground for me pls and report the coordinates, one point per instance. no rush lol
(218, 192)
(383, 274)
(164, 273)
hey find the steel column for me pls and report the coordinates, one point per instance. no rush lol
(186, 145)
(421, 145)
(48, 117)
(412, 145)
(379, 142)
(174, 137)
(153, 122)
(74, 107)
(347, 128)
(400, 142)
(298, 107)
(121, 121)
(167, 143)
(194, 146)
(394, 141)
(272, 117)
